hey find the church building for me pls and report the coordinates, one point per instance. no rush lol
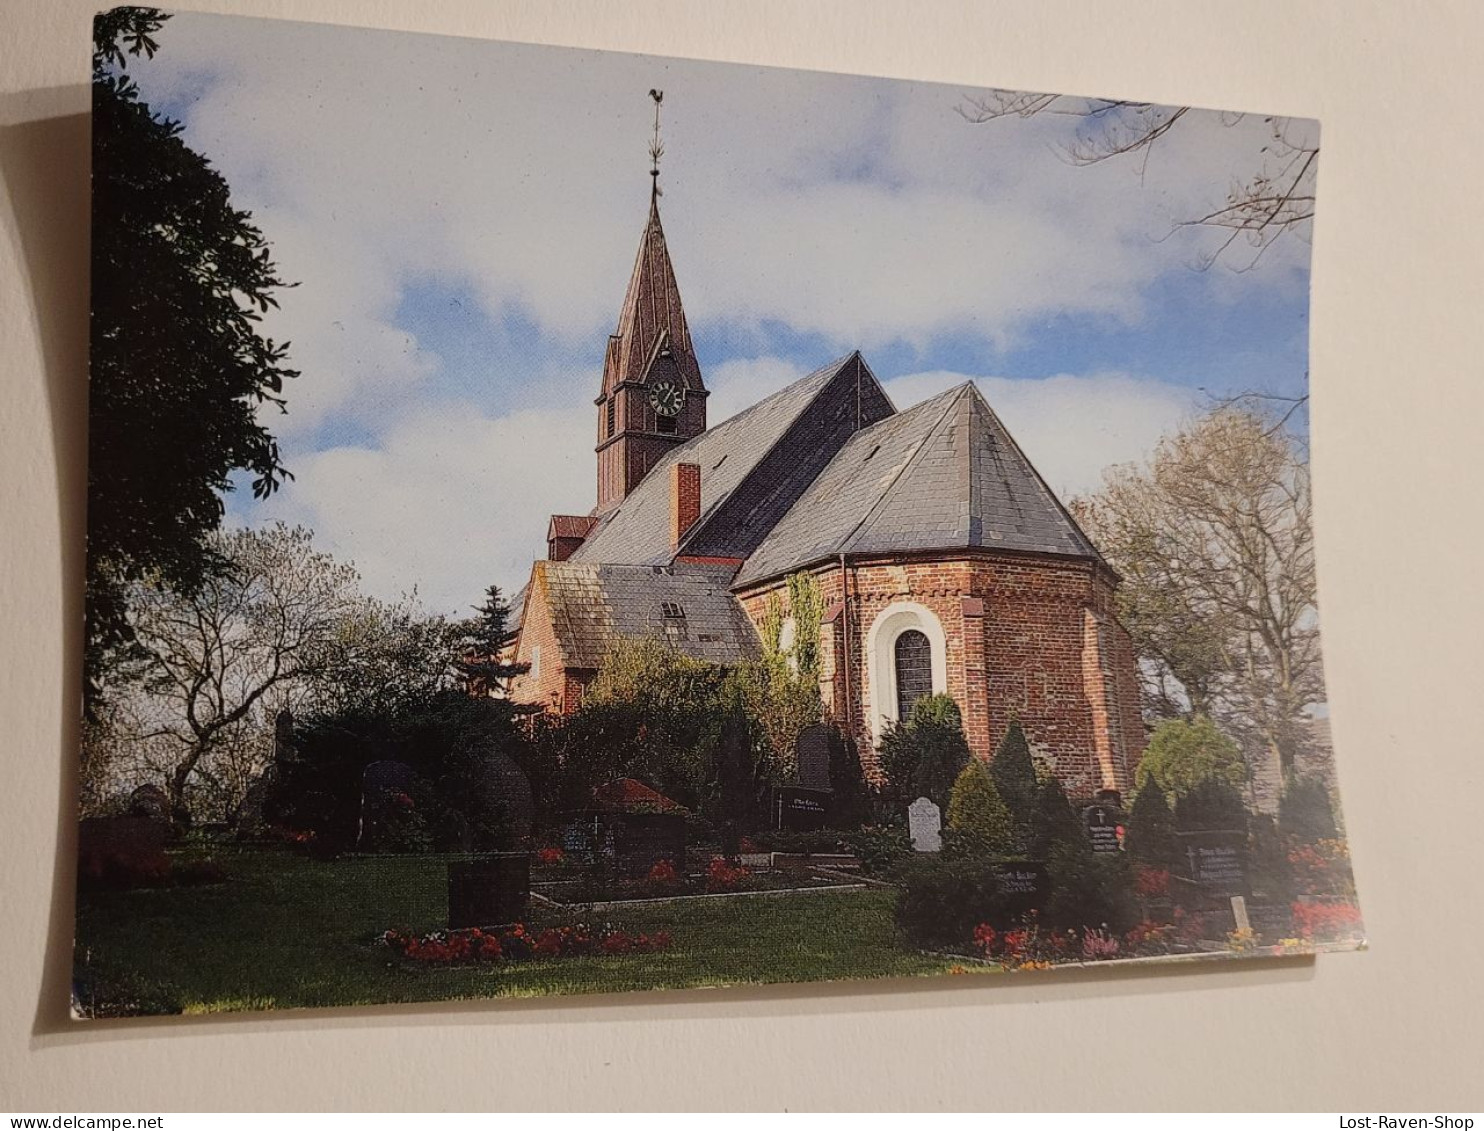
(945, 562)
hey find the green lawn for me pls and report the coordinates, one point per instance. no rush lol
(287, 931)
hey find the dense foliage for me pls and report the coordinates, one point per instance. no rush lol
(979, 824)
(924, 754)
(1151, 829)
(1182, 754)
(1305, 811)
(179, 369)
(1014, 775)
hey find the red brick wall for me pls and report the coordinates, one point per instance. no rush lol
(549, 684)
(685, 499)
(1036, 639)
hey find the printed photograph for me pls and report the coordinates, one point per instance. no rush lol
(564, 522)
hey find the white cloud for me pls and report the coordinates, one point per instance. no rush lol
(1071, 427)
(841, 210)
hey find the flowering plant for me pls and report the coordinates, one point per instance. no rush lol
(1152, 883)
(663, 872)
(550, 856)
(473, 945)
(1326, 921)
(721, 876)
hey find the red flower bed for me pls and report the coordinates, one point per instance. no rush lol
(1151, 883)
(663, 872)
(551, 857)
(516, 943)
(1326, 920)
(721, 876)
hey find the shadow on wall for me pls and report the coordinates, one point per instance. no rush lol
(44, 166)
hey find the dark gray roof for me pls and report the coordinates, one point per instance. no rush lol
(690, 606)
(944, 475)
(754, 466)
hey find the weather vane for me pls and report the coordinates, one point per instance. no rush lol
(656, 148)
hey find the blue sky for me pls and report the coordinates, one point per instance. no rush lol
(462, 217)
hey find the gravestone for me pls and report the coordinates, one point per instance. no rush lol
(1104, 822)
(490, 891)
(812, 755)
(383, 786)
(150, 801)
(499, 806)
(925, 825)
(800, 810)
(1025, 884)
(1214, 864)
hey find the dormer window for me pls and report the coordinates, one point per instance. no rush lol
(670, 610)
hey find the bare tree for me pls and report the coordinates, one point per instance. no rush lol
(1215, 543)
(273, 619)
(1273, 199)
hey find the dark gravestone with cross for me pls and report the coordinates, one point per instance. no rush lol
(1104, 822)
(1214, 864)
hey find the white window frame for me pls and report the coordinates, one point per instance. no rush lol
(881, 666)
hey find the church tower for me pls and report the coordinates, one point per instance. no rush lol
(652, 397)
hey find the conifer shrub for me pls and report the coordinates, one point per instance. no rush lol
(979, 824)
(1014, 772)
(1053, 823)
(1210, 804)
(942, 901)
(1305, 812)
(1151, 829)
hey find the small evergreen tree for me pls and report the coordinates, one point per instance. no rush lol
(980, 820)
(1151, 828)
(1305, 812)
(1210, 804)
(850, 797)
(1014, 776)
(1053, 824)
(485, 636)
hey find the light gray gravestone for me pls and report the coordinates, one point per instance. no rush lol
(925, 825)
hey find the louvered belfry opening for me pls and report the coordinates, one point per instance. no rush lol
(914, 663)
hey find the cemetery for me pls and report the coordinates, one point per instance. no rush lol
(465, 875)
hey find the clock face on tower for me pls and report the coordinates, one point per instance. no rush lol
(666, 397)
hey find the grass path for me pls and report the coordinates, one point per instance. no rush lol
(287, 931)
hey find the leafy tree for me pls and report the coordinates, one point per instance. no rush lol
(1151, 828)
(179, 369)
(976, 815)
(1214, 540)
(1014, 776)
(923, 755)
(1304, 810)
(1182, 755)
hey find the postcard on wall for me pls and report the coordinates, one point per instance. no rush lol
(564, 521)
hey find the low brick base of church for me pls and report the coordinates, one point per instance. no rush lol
(1024, 637)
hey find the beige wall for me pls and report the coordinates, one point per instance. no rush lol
(1398, 405)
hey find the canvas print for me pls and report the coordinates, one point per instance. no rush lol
(565, 521)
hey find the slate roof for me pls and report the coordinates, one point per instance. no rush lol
(591, 604)
(943, 475)
(754, 466)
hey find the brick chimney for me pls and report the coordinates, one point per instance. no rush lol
(685, 500)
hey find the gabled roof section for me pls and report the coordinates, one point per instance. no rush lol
(688, 606)
(651, 322)
(944, 475)
(771, 440)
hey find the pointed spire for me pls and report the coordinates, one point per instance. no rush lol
(652, 318)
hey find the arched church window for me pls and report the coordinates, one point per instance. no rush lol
(914, 664)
